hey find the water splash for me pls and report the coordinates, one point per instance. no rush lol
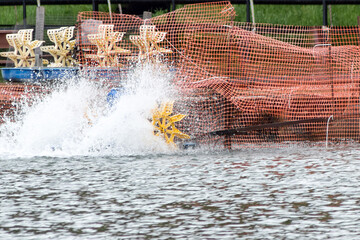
(76, 119)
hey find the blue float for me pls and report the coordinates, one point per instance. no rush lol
(114, 95)
(38, 74)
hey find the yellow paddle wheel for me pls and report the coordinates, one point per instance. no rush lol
(163, 119)
(164, 123)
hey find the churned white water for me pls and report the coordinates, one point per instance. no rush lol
(76, 119)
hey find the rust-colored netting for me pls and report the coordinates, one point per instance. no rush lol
(12, 94)
(247, 83)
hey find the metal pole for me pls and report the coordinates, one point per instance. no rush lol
(247, 10)
(24, 13)
(325, 13)
(95, 5)
(173, 4)
(252, 11)
(109, 4)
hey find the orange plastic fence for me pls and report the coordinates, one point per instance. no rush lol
(240, 83)
(12, 94)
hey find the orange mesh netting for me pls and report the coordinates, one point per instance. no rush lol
(244, 83)
(12, 94)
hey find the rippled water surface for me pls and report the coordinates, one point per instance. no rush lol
(288, 193)
(106, 176)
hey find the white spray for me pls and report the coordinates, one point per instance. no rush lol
(76, 119)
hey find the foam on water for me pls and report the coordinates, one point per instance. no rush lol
(57, 125)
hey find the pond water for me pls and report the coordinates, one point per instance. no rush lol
(289, 193)
(72, 167)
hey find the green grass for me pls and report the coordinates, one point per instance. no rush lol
(307, 15)
(54, 14)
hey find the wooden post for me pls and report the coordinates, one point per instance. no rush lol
(40, 22)
(146, 15)
(39, 32)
